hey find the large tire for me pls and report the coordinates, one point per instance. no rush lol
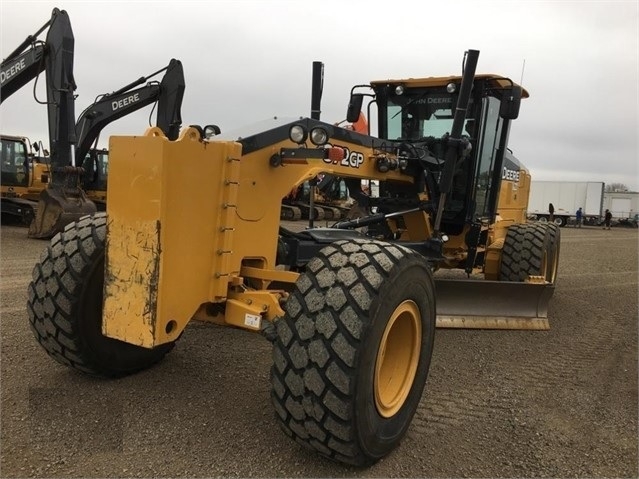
(65, 305)
(530, 249)
(352, 352)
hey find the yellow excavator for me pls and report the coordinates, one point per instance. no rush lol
(192, 232)
(76, 173)
(24, 175)
(63, 200)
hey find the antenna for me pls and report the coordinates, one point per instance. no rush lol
(523, 67)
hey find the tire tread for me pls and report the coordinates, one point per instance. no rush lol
(54, 296)
(349, 274)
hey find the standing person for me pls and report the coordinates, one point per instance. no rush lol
(579, 215)
(551, 210)
(607, 219)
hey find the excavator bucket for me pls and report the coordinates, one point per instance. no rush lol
(481, 304)
(57, 207)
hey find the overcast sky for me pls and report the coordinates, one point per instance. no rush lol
(246, 61)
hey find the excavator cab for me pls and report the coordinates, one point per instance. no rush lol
(96, 170)
(24, 175)
(15, 161)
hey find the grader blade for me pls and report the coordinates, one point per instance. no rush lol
(479, 304)
(57, 207)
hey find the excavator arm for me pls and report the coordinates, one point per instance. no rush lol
(62, 201)
(111, 107)
(55, 56)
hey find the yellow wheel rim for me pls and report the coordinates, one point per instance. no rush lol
(549, 266)
(552, 273)
(544, 265)
(397, 359)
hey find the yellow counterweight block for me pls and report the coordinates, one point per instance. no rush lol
(171, 216)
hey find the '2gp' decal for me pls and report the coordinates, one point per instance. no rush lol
(352, 159)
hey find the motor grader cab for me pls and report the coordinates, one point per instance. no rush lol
(24, 176)
(351, 317)
(168, 94)
(62, 201)
(480, 200)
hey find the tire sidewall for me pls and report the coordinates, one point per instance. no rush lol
(378, 435)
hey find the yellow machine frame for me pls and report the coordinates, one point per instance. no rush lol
(173, 256)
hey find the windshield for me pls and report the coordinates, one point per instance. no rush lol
(419, 116)
(103, 163)
(13, 157)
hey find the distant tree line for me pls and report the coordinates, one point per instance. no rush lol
(616, 187)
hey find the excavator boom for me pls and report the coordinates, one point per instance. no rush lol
(18, 71)
(20, 67)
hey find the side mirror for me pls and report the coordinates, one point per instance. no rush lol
(510, 102)
(354, 107)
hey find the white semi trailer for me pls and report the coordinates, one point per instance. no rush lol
(624, 206)
(566, 197)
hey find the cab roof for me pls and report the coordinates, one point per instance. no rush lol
(14, 138)
(498, 81)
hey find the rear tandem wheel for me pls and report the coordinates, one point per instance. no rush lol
(65, 305)
(352, 353)
(530, 249)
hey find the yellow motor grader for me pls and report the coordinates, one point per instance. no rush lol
(351, 314)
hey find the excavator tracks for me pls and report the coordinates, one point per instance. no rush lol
(290, 213)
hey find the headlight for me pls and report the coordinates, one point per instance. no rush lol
(211, 130)
(297, 134)
(451, 87)
(319, 136)
(399, 90)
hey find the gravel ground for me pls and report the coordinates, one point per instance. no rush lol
(561, 403)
